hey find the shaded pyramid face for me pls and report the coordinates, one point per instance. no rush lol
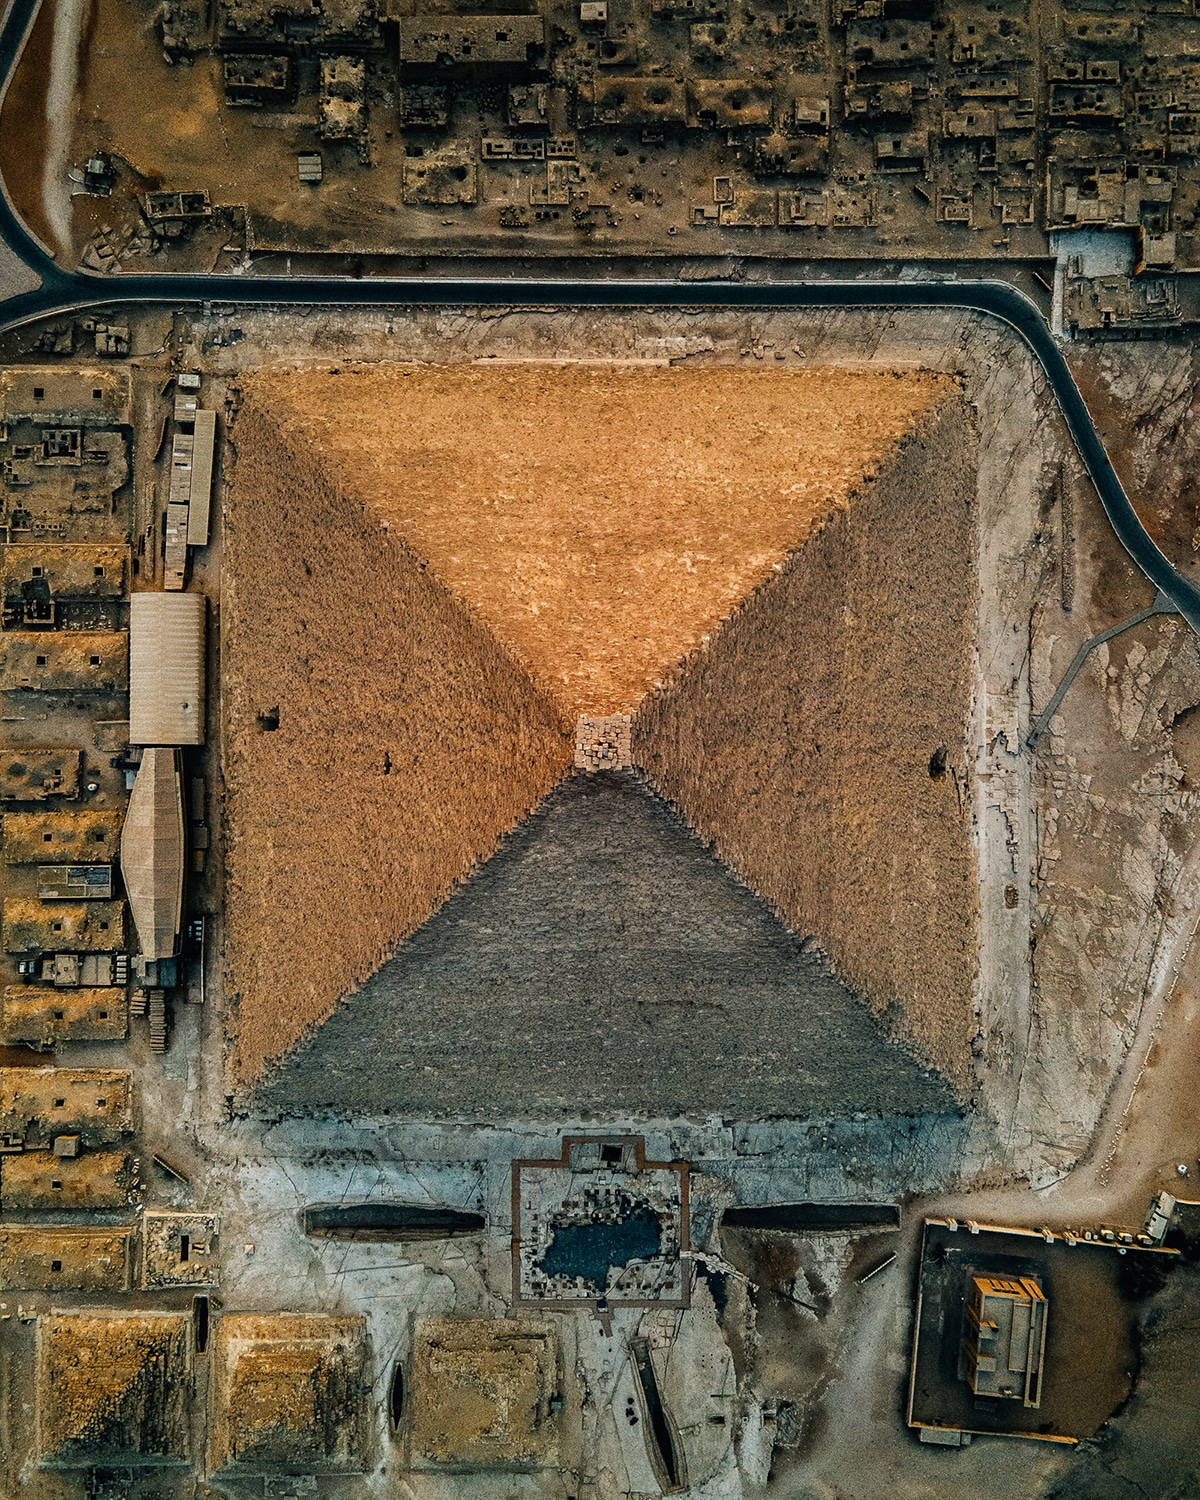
(429, 577)
(603, 960)
(601, 520)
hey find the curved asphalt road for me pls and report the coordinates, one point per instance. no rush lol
(63, 291)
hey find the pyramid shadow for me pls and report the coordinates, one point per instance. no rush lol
(603, 961)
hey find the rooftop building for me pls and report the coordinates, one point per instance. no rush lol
(1005, 1339)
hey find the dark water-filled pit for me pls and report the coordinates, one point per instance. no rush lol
(587, 1251)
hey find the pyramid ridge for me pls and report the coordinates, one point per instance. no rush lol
(632, 581)
(540, 971)
(359, 698)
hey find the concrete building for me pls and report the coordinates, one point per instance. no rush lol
(1005, 1340)
(74, 883)
(166, 677)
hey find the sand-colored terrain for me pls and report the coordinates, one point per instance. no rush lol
(378, 742)
(600, 519)
(817, 742)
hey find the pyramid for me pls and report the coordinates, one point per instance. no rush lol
(600, 519)
(603, 960)
(818, 740)
(434, 572)
(113, 1388)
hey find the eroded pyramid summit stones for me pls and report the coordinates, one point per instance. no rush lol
(437, 573)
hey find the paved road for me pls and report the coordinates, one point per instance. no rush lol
(64, 291)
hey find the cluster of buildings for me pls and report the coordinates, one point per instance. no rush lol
(1002, 1328)
(102, 683)
(953, 131)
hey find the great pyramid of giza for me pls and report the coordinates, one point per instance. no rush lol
(433, 572)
